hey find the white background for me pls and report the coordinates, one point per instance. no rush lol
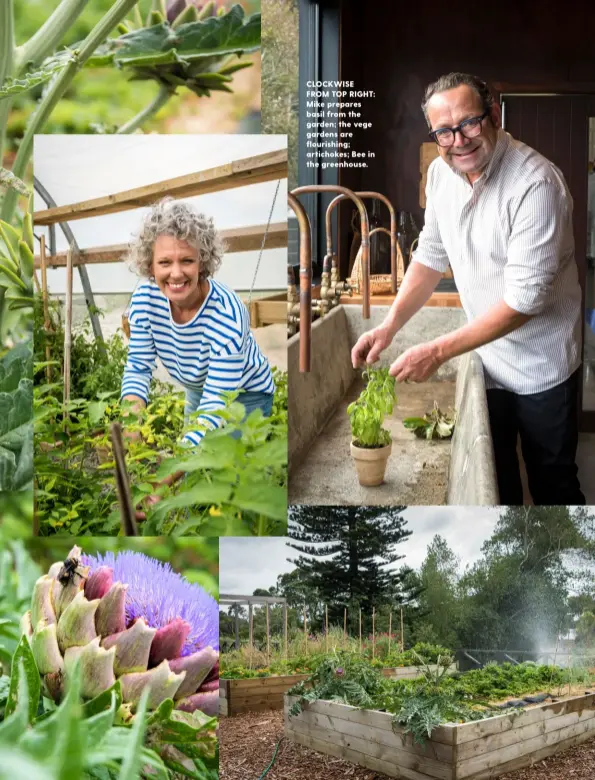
(74, 168)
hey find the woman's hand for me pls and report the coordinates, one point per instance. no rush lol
(154, 498)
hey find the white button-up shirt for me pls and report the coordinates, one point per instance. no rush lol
(509, 237)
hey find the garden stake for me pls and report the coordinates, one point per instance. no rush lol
(390, 624)
(305, 634)
(326, 627)
(126, 508)
(285, 630)
(251, 625)
(360, 630)
(402, 634)
(46, 308)
(345, 624)
(67, 332)
(373, 632)
(268, 634)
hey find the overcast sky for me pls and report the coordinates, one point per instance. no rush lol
(247, 563)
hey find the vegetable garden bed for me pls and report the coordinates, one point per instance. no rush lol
(267, 693)
(479, 750)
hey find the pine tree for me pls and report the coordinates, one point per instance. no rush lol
(345, 552)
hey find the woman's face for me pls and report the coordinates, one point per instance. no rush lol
(176, 268)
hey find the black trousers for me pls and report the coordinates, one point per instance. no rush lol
(547, 423)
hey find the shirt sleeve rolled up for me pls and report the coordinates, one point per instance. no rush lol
(430, 249)
(535, 246)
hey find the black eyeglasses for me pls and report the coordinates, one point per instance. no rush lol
(445, 136)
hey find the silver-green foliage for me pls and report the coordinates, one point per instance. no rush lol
(16, 423)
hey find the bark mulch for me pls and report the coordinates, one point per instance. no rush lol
(247, 743)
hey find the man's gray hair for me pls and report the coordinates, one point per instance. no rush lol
(173, 218)
(453, 80)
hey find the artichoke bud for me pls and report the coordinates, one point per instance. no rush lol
(42, 607)
(26, 627)
(53, 685)
(44, 646)
(132, 647)
(98, 584)
(197, 667)
(169, 641)
(97, 667)
(207, 702)
(76, 625)
(163, 683)
(208, 10)
(187, 16)
(111, 613)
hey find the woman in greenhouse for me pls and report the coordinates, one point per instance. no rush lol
(197, 326)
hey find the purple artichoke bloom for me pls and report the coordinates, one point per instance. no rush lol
(130, 618)
(340, 672)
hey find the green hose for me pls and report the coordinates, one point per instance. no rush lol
(270, 766)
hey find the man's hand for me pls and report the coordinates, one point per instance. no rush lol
(369, 346)
(418, 363)
(147, 502)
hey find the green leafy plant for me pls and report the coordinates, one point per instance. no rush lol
(367, 413)
(194, 49)
(16, 424)
(433, 425)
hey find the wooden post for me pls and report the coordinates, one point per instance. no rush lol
(345, 625)
(305, 633)
(285, 629)
(373, 632)
(237, 627)
(251, 625)
(268, 634)
(326, 627)
(68, 330)
(360, 630)
(46, 307)
(390, 628)
(402, 633)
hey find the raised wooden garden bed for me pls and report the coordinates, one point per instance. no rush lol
(480, 750)
(266, 693)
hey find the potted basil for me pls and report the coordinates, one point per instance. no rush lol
(371, 443)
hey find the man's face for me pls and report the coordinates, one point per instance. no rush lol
(448, 109)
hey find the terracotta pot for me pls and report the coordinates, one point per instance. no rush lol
(370, 463)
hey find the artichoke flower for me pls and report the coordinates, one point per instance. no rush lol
(125, 618)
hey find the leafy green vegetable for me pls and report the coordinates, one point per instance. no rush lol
(195, 55)
(433, 425)
(16, 424)
(375, 402)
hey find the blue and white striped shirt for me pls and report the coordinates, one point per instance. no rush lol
(213, 353)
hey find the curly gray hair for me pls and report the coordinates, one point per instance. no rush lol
(169, 217)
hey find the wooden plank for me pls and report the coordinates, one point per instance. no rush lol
(271, 312)
(498, 741)
(239, 173)
(242, 239)
(500, 723)
(382, 720)
(448, 299)
(428, 767)
(391, 739)
(264, 682)
(534, 758)
(376, 765)
(223, 707)
(524, 749)
(411, 672)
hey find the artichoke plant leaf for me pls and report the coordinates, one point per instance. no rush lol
(24, 681)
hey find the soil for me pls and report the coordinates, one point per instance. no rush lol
(247, 743)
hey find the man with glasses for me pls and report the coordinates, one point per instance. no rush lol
(501, 214)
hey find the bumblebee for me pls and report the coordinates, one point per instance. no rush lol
(68, 570)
